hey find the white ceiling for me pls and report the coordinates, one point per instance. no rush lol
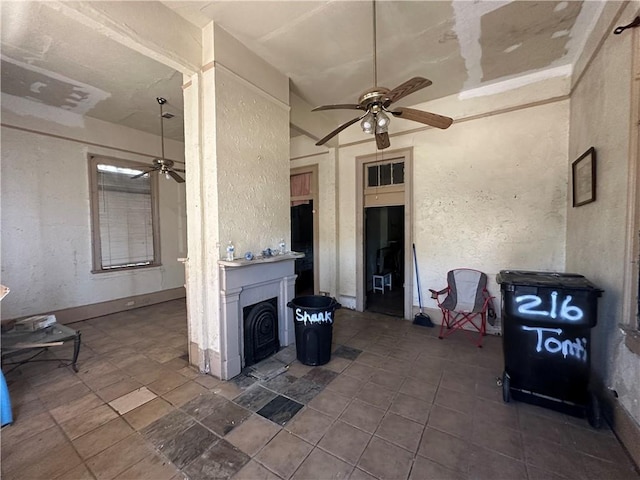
(324, 47)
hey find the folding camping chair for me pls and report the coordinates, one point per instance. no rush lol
(466, 303)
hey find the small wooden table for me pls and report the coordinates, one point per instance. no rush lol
(16, 343)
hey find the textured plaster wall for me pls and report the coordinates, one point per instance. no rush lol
(488, 194)
(46, 228)
(596, 233)
(303, 154)
(253, 166)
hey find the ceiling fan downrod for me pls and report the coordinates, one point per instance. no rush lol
(375, 47)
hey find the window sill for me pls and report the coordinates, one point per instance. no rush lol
(631, 338)
(120, 271)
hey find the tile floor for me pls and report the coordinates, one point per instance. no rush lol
(394, 403)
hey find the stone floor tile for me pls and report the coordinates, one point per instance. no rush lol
(419, 389)
(554, 457)
(447, 450)
(284, 454)
(132, 400)
(347, 352)
(362, 415)
(280, 410)
(151, 467)
(253, 434)
(320, 375)
(118, 389)
(148, 413)
(376, 395)
(254, 471)
(338, 364)
(345, 385)
(207, 381)
(345, 442)
(167, 382)
(330, 403)
(119, 457)
(303, 390)
(167, 427)
(424, 468)
(188, 445)
(489, 464)
(102, 437)
(24, 428)
(185, 392)
(255, 397)
(80, 472)
(203, 404)
(310, 425)
(225, 418)
(222, 460)
(28, 456)
(358, 474)
(87, 421)
(321, 464)
(400, 431)
(279, 383)
(384, 460)
(410, 407)
(451, 421)
(360, 371)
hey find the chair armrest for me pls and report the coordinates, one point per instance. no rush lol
(436, 293)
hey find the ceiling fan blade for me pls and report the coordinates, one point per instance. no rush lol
(143, 173)
(431, 119)
(338, 130)
(407, 88)
(343, 106)
(178, 170)
(382, 140)
(175, 176)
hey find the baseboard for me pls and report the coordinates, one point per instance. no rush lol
(623, 425)
(84, 312)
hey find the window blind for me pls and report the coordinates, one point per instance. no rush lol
(125, 217)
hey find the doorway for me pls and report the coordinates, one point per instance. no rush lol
(384, 259)
(384, 206)
(304, 227)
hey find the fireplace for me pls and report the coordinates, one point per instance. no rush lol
(260, 331)
(248, 283)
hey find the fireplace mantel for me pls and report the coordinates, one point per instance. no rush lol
(247, 282)
(241, 262)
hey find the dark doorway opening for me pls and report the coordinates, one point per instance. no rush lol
(384, 259)
(302, 241)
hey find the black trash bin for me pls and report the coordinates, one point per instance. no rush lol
(313, 320)
(546, 327)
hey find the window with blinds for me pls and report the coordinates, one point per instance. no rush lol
(124, 216)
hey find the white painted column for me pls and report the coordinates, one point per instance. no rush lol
(203, 303)
(237, 163)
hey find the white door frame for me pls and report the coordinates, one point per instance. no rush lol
(406, 154)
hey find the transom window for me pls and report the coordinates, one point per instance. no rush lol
(124, 215)
(385, 173)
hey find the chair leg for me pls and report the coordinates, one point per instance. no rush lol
(445, 321)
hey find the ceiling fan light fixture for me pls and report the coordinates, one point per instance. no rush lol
(368, 123)
(382, 121)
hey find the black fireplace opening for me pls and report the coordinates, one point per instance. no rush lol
(260, 331)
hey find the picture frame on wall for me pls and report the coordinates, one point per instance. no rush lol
(583, 172)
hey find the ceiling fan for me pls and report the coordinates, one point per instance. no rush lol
(163, 165)
(375, 104)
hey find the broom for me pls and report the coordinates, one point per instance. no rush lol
(421, 318)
